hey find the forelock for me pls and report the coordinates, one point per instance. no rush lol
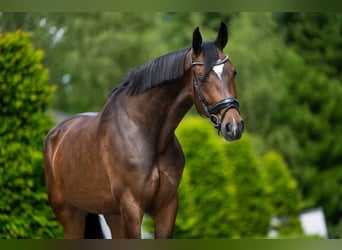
(210, 55)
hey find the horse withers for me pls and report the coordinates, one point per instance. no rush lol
(126, 161)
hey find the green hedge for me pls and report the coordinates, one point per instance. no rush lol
(24, 96)
(228, 190)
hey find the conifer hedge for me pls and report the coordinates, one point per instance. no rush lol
(228, 190)
(24, 97)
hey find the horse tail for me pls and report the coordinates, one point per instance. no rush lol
(93, 229)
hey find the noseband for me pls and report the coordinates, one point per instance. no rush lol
(224, 104)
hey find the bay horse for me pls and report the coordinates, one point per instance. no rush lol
(125, 160)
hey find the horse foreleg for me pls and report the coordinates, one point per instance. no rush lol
(131, 215)
(115, 224)
(72, 220)
(164, 219)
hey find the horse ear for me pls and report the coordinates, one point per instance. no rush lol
(222, 36)
(197, 41)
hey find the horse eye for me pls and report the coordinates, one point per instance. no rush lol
(202, 78)
(235, 73)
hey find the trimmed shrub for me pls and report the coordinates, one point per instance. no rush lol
(279, 184)
(227, 191)
(282, 192)
(24, 96)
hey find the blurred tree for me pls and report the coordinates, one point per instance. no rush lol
(316, 80)
(317, 37)
(313, 114)
(252, 47)
(89, 53)
(292, 105)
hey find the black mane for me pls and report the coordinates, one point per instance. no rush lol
(163, 69)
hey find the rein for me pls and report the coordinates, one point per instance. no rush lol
(224, 104)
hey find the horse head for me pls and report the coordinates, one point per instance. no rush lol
(213, 78)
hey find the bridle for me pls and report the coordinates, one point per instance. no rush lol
(212, 111)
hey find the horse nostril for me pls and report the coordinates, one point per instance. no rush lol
(242, 125)
(228, 127)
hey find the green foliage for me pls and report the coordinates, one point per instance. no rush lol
(279, 184)
(289, 97)
(288, 82)
(282, 191)
(313, 114)
(24, 96)
(329, 193)
(312, 108)
(252, 47)
(317, 38)
(226, 190)
(101, 48)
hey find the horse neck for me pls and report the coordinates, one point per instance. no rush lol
(155, 113)
(178, 105)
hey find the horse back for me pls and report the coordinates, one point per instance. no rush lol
(64, 135)
(58, 133)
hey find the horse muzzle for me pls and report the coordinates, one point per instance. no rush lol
(232, 129)
(230, 124)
